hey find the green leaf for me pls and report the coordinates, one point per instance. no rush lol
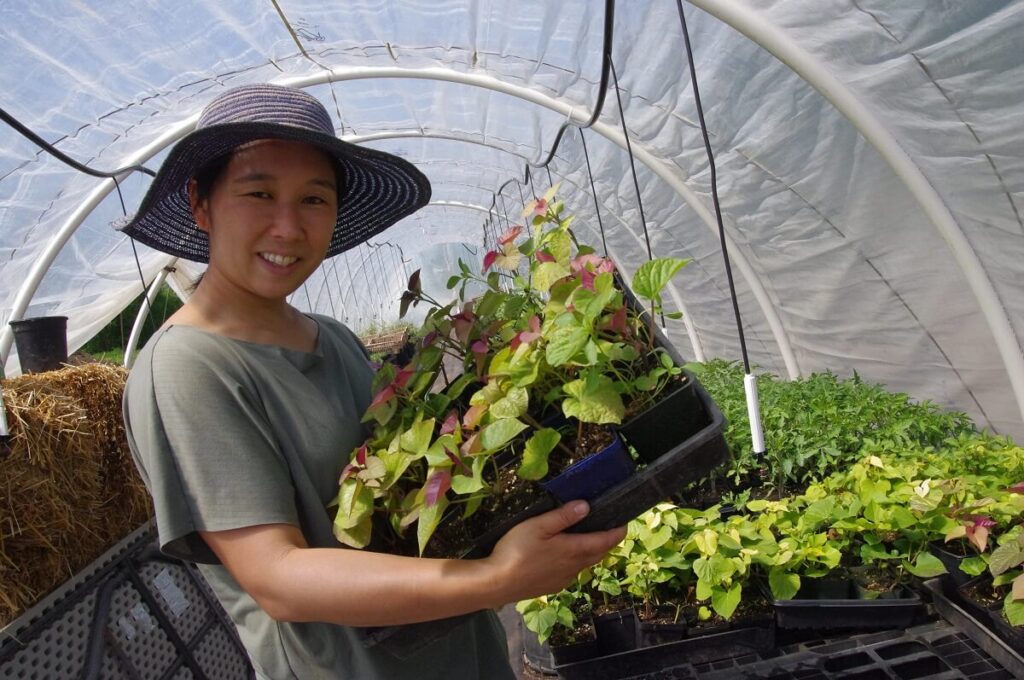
(460, 384)
(725, 601)
(500, 432)
(353, 523)
(1013, 610)
(975, 566)
(560, 247)
(546, 274)
(512, 405)
(656, 539)
(593, 400)
(535, 454)
(417, 438)
(652, 276)
(1006, 556)
(784, 584)
(430, 517)
(926, 566)
(564, 344)
(463, 484)
(453, 281)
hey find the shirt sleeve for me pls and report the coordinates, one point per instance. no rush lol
(204, 444)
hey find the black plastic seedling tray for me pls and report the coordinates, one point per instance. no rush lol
(702, 451)
(999, 649)
(693, 650)
(848, 613)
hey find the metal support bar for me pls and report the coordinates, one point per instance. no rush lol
(668, 173)
(140, 318)
(756, 26)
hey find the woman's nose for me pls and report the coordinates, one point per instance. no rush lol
(287, 222)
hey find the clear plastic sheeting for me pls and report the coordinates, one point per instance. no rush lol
(838, 263)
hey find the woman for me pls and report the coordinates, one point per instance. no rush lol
(240, 409)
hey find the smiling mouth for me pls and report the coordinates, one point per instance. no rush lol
(279, 260)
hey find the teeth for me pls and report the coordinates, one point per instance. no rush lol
(280, 260)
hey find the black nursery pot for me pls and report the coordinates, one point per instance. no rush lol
(674, 419)
(951, 561)
(617, 631)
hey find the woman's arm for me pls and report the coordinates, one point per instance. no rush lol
(293, 582)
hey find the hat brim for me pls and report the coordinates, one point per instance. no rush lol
(378, 188)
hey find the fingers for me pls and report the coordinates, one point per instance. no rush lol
(558, 520)
(593, 546)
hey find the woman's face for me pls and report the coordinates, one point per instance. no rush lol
(269, 215)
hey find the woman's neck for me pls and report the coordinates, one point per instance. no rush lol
(270, 322)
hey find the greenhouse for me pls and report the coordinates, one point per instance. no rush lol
(771, 253)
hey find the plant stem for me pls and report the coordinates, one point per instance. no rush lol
(565, 449)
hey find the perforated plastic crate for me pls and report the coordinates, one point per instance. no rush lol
(130, 614)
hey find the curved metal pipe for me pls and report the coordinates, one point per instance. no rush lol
(655, 164)
(777, 42)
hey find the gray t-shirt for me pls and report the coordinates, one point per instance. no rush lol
(229, 434)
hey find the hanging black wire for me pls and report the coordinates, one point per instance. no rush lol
(632, 168)
(632, 165)
(593, 190)
(135, 253)
(714, 187)
(49, 148)
(551, 182)
(606, 57)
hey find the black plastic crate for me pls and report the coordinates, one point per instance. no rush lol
(132, 613)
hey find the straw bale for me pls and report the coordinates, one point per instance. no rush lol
(70, 487)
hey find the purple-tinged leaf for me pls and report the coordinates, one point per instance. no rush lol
(437, 485)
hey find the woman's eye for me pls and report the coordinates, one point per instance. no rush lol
(258, 194)
(315, 200)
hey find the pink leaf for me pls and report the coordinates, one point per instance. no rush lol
(383, 396)
(453, 457)
(450, 423)
(349, 470)
(473, 416)
(587, 279)
(982, 521)
(402, 378)
(1016, 488)
(489, 259)
(510, 235)
(480, 347)
(544, 256)
(437, 485)
(429, 338)
(540, 206)
(471, 445)
(361, 455)
(535, 323)
(588, 262)
(617, 321)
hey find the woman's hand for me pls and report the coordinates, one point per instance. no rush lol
(537, 557)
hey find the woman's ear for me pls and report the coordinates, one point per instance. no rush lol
(200, 207)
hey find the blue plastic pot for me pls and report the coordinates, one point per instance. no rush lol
(589, 478)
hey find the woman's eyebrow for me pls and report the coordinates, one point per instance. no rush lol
(264, 176)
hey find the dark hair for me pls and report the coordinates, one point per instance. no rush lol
(207, 175)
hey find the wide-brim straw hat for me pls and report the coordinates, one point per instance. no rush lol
(377, 189)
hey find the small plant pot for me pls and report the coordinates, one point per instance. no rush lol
(617, 631)
(537, 654)
(589, 478)
(662, 630)
(674, 419)
(42, 343)
(576, 651)
(951, 561)
(826, 588)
